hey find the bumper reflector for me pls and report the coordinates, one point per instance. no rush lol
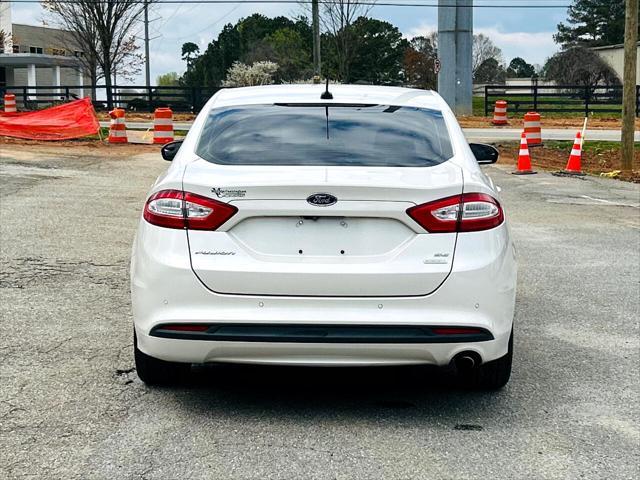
(186, 328)
(314, 333)
(455, 331)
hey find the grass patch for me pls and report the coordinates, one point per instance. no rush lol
(104, 131)
(520, 104)
(596, 146)
(478, 107)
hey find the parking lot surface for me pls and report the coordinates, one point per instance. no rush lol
(71, 405)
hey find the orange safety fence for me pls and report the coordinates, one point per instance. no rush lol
(70, 120)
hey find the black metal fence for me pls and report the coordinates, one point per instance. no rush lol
(133, 98)
(564, 99)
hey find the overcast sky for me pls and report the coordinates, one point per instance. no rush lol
(518, 32)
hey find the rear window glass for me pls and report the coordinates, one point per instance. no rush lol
(294, 134)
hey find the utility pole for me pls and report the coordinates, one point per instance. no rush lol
(455, 43)
(146, 44)
(629, 80)
(315, 14)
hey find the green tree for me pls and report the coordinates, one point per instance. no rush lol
(210, 68)
(246, 42)
(419, 63)
(290, 48)
(519, 68)
(379, 52)
(255, 28)
(592, 23)
(291, 53)
(337, 18)
(168, 79)
(328, 49)
(490, 71)
(189, 51)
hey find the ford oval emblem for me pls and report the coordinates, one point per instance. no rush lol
(322, 199)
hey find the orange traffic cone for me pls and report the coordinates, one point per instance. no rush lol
(575, 159)
(163, 125)
(524, 159)
(533, 129)
(500, 113)
(118, 127)
(10, 103)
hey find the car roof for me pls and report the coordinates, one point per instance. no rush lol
(351, 94)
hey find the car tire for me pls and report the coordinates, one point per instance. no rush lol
(154, 371)
(491, 375)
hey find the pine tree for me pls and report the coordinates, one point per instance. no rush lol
(592, 23)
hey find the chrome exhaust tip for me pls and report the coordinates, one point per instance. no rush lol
(466, 361)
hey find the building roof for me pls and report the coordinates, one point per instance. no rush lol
(358, 94)
(46, 27)
(612, 47)
(24, 59)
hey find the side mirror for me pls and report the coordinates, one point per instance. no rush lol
(170, 149)
(485, 154)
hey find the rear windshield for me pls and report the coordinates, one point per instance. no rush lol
(368, 135)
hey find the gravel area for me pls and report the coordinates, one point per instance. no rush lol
(72, 407)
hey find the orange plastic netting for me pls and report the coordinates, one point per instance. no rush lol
(71, 120)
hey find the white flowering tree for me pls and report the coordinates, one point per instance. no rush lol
(243, 75)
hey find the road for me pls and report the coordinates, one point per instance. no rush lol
(472, 134)
(513, 134)
(72, 407)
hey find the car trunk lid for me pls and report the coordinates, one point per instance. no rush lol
(278, 243)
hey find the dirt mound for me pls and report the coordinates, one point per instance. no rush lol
(595, 160)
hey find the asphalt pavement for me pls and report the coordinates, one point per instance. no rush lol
(72, 407)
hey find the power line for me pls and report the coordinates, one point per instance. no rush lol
(173, 14)
(207, 27)
(373, 3)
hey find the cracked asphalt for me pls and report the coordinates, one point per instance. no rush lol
(72, 407)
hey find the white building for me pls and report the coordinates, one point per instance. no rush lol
(32, 56)
(614, 56)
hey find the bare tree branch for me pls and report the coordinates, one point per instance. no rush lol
(483, 50)
(105, 31)
(337, 18)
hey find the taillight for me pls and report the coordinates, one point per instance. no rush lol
(165, 209)
(177, 209)
(470, 212)
(203, 213)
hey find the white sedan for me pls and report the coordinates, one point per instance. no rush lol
(330, 226)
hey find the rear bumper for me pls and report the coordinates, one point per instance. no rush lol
(316, 354)
(479, 293)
